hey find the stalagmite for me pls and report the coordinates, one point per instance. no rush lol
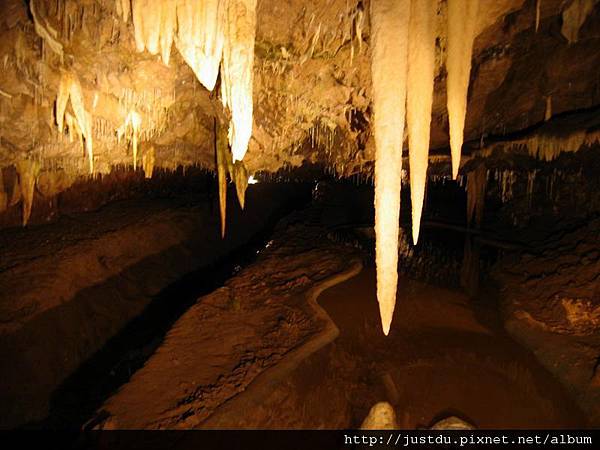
(462, 19)
(28, 172)
(238, 72)
(419, 99)
(382, 416)
(389, 20)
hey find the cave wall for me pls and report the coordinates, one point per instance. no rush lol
(312, 99)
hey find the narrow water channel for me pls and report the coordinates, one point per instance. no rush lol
(446, 355)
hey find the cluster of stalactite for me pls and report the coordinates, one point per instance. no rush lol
(81, 124)
(402, 67)
(226, 166)
(212, 36)
(27, 171)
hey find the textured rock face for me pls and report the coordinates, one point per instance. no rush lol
(312, 85)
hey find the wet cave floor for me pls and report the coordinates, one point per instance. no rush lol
(215, 350)
(445, 355)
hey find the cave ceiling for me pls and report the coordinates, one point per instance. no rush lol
(311, 88)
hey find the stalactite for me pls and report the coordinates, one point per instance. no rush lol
(573, 18)
(45, 31)
(70, 89)
(476, 184)
(136, 123)
(462, 19)
(530, 184)
(389, 20)
(28, 171)
(123, 8)
(62, 98)
(73, 129)
(238, 72)
(505, 179)
(538, 7)
(221, 156)
(131, 129)
(548, 111)
(15, 195)
(548, 147)
(152, 26)
(419, 99)
(201, 36)
(148, 161)
(240, 178)
(137, 8)
(211, 34)
(168, 26)
(3, 194)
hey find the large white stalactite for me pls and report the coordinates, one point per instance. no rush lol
(237, 73)
(419, 100)
(389, 21)
(462, 19)
(403, 70)
(200, 37)
(210, 35)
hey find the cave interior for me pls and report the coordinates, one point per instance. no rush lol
(193, 194)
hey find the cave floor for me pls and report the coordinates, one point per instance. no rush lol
(445, 355)
(221, 364)
(218, 351)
